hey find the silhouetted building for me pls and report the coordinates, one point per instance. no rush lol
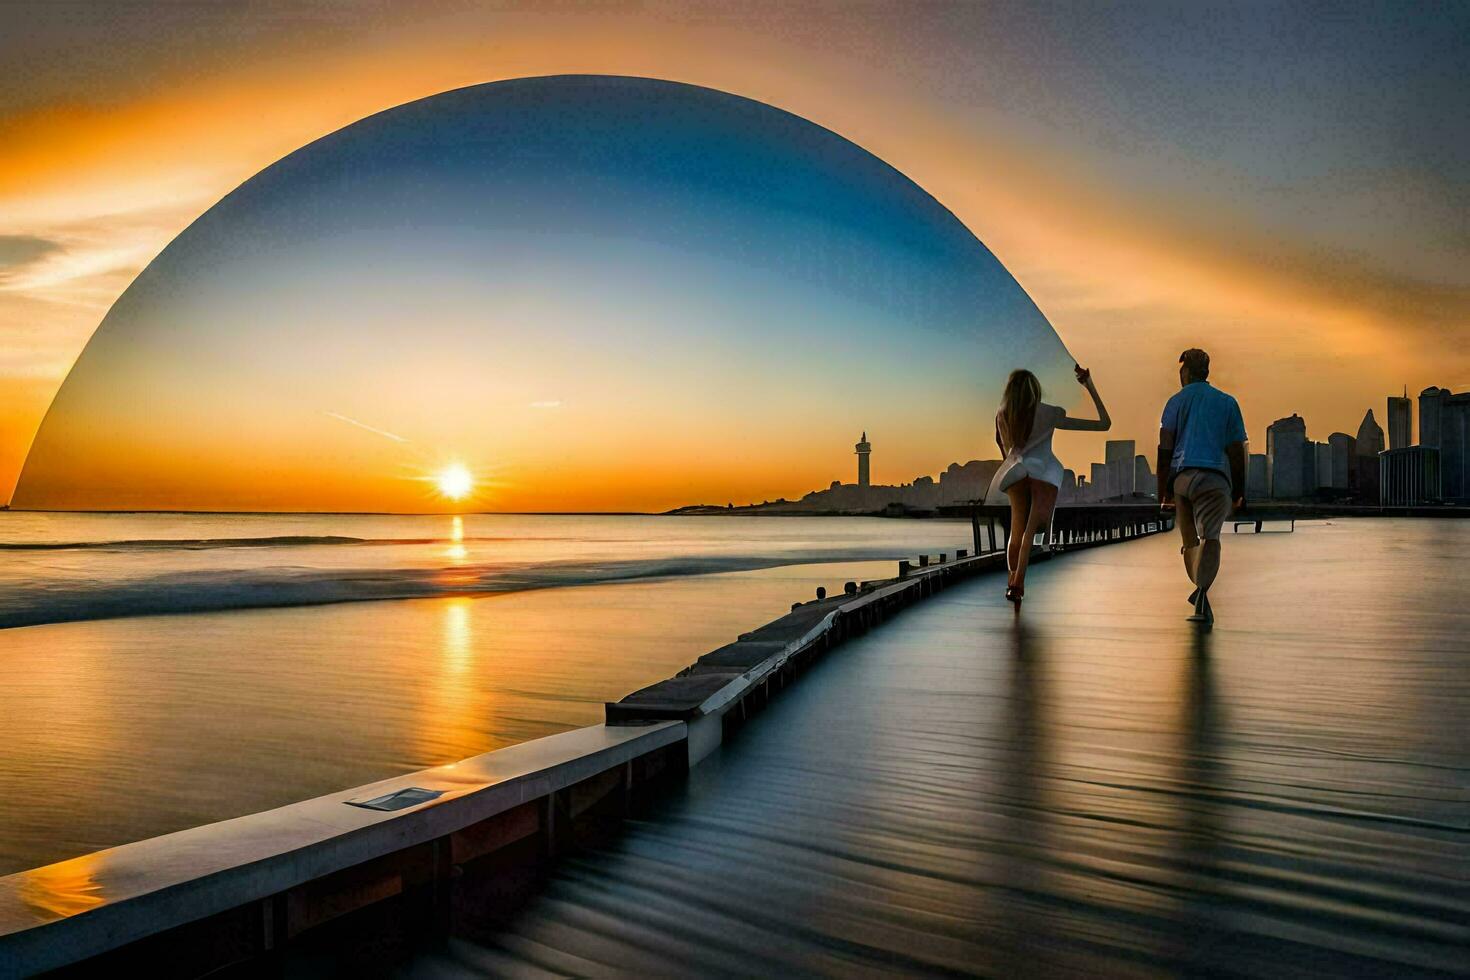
(968, 482)
(1400, 421)
(1101, 488)
(1431, 415)
(1363, 479)
(1343, 447)
(1409, 476)
(864, 449)
(1322, 470)
(1143, 477)
(1067, 492)
(1257, 484)
(1454, 449)
(1286, 458)
(1118, 454)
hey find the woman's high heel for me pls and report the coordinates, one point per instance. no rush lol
(1014, 593)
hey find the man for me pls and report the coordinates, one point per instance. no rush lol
(1201, 466)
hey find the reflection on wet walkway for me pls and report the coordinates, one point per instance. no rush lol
(1095, 788)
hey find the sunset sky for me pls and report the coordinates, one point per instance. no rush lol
(1285, 186)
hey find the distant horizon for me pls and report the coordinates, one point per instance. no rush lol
(1081, 472)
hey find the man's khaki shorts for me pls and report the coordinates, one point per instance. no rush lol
(1202, 502)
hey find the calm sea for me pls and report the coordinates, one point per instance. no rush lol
(162, 670)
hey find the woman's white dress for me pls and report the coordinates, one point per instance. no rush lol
(1035, 459)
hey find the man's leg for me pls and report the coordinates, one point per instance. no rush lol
(1184, 520)
(1207, 566)
(1210, 507)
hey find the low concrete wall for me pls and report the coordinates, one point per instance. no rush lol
(226, 892)
(239, 891)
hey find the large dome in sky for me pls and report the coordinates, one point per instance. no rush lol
(592, 292)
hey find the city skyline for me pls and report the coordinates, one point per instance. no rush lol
(1342, 468)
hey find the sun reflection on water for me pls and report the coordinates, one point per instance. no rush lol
(457, 636)
(456, 551)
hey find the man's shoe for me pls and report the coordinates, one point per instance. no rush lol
(1202, 611)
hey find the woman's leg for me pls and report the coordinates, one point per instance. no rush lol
(1044, 502)
(1020, 496)
(1043, 497)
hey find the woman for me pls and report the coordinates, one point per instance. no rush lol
(1031, 474)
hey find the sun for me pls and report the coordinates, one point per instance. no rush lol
(454, 481)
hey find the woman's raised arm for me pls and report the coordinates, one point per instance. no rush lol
(1103, 422)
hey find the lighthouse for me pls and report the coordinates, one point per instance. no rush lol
(863, 449)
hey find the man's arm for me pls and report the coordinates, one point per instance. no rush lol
(1164, 465)
(1236, 454)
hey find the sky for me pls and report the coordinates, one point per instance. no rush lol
(1285, 185)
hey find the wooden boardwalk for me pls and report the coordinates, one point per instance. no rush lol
(1094, 787)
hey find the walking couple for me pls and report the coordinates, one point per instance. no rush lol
(1201, 467)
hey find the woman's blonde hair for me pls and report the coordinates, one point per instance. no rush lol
(1018, 407)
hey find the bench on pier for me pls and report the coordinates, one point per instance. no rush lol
(1257, 522)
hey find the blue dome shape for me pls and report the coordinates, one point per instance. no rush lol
(592, 292)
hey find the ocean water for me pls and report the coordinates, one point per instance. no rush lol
(160, 671)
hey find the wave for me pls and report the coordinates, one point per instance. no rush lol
(204, 544)
(75, 600)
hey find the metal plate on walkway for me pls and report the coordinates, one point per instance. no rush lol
(398, 800)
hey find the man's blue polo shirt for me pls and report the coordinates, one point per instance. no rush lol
(1204, 421)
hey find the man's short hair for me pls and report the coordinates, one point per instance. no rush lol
(1196, 363)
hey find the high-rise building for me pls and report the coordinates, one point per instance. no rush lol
(1454, 448)
(1257, 484)
(1409, 476)
(1143, 477)
(1100, 487)
(1323, 469)
(864, 449)
(1118, 453)
(1431, 415)
(1366, 447)
(1343, 447)
(1286, 457)
(1400, 421)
